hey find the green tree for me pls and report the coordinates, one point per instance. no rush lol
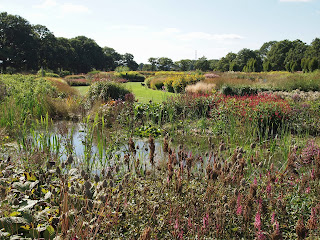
(313, 64)
(47, 44)
(88, 55)
(313, 50)
(18, 46)
(64, 54)
(213, 64)
(202, 64)
(245, 55)
(265, 48)
(164, 64)
(127, 60)
(184, 64)
(112, 58)
(305, 64)
(295, 54)
(147, 67)
(278, 53)
(153, 61)
(266, 66)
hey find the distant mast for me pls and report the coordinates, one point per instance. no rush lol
(195, 55)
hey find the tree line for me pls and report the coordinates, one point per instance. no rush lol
(26, 47)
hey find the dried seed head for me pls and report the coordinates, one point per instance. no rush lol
(86, 177)
(243, 182)
(87, 184)
(225, 198)
(105, 184)
(96, 178)
(83, 173)
(70, 159)
(239, 156)
(58, 171)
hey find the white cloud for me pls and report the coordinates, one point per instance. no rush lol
(46, 4)
(74, 8)
(296, 0)
(128, 27)
(207, 36)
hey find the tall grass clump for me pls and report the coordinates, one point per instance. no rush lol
(25, 98)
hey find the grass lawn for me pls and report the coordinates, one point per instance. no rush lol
(82, 89)
(144, 94)
(141, 93)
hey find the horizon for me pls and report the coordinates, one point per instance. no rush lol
(176, 30)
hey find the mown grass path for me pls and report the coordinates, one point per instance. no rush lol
(141, 93)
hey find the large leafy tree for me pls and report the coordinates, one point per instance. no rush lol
(17, 43)
(294, 55)
(47, 44)
(245, 55)
(202, 64)
(164, 64)
(127, 60)
(313, 50)
(64, 54)
(153, 62)
(278, 53)
(184, 64)
(265, 48)
(112, 58)
(88, 54)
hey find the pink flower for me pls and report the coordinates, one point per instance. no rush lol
(260, 236)
(312, 174)
(239, 210)
(308, 190)
(257, 222)
(268, 189)
(176, 225)
(255, 181)
(273, 217)
(239, 207)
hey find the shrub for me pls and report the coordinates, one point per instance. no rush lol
(130, 76)
(122, 69)
(75, 77)
(156, 84)
(105, 91)
(64, 73)
(78, 82)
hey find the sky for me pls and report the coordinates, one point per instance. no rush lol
(177, 29)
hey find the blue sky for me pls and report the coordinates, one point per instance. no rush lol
(174, 28)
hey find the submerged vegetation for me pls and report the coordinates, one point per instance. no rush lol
(227, 162)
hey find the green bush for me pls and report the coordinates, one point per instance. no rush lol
(49, 74)
(64, 73)
(131, 76)
(156, 84)
(238, 90)
(105, 91)
(75, 77)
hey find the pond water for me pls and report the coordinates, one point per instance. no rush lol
(106, 150)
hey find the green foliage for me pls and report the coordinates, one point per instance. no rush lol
(26, 98)
(230, 90)
(122, 69)
(64, 73)
(105, 91)
(313, 65)
(131, 76)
